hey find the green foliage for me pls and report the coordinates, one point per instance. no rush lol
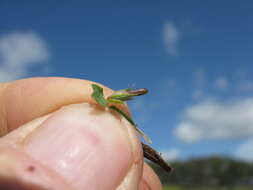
(210, 172)
(173, 187)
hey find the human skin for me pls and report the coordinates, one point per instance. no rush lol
(53, 136)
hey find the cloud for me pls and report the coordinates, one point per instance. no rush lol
(171, 38)
(18, 51)
(221, 83)
(244, 151)
(171, 154)
(214, 120)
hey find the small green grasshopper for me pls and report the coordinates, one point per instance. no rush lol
(119, 97)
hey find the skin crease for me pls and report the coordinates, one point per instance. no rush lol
(19, 105)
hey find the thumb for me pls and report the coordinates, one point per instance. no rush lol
(77, 147)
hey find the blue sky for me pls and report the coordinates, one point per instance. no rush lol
(195, 57)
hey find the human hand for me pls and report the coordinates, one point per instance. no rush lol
(76, 147)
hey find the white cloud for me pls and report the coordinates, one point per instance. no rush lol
(18, 51)
(244, 151)
(171, 154)
(214, 120)
(171, 38)
(221, 83)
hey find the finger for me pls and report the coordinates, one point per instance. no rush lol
(150, 180)
(23, 100)
(30, 98)
(77, 147)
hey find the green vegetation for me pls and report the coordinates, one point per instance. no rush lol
(204, 188)
(213, 173)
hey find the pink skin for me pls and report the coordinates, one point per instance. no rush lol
(76, 147)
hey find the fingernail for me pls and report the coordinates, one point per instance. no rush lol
(88, 147)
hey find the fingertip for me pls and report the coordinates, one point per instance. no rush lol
(150, 180)
(24, 100)
(86, 144)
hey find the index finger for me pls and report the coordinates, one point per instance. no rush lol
(23, 100)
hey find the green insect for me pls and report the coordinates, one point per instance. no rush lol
(119, 97)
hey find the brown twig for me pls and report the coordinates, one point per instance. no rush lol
(155, 157)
